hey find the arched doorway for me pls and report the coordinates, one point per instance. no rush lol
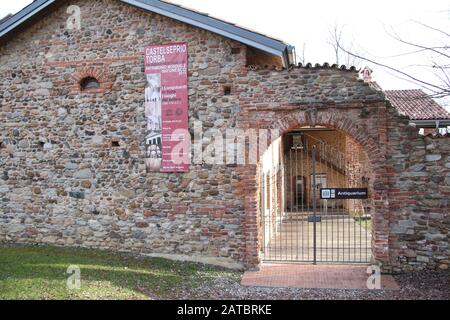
(316, 198)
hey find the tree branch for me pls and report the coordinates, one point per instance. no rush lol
(431, 28)
(425, 48)
(430, 86)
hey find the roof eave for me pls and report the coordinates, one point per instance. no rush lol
(263, 43)
(431, 123)
(247, 37)
(40, 6)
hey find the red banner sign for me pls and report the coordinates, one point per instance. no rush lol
(166, 108)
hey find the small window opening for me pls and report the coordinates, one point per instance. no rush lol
(115, 143)
(227, 90)
(89, 83)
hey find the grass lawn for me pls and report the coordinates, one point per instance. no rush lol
(29, 272)
(365, 223)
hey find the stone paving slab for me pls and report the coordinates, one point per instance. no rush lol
(314, 277)
(339, 239)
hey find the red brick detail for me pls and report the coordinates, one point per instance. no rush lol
(314, 277)
(149, 213)
(102, 75)
(370, 136)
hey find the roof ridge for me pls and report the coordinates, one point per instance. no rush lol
(405, 90)
(9, 15)
(265, 43)
(308, 65)
(222, 19)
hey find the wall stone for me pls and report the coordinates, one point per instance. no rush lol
(64, 182)
(420, 190)
(390, 144)
(72, 168)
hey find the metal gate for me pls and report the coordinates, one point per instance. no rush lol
(298, 226)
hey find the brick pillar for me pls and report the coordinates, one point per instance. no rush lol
(249, 188)
(353, 172)
(380, 193)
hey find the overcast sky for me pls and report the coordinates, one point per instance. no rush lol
(366, 24)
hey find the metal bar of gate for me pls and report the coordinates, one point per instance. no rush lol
(314, 204)
(340, 224)
(308, 204)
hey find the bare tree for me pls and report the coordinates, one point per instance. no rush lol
(301, 56)
(336, 41)
(436, 57)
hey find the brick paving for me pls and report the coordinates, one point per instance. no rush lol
(314, 277)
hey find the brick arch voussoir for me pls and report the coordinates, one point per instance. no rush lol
(335, 121)
(340, 121)
(102, 74)
(90, 72)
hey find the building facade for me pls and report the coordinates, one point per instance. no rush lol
(72, 166)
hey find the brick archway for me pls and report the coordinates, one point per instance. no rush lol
(368, 139)
(337, 121)
(102, 75)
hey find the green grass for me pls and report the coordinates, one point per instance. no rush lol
(365, 223)
(29, 272)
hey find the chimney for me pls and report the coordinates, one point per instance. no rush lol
(366, 74)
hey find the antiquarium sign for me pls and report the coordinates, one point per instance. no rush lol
(344, 193)
(166, 108)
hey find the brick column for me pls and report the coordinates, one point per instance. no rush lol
(249, 188)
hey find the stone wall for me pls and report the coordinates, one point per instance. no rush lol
(72, 163)
(72, 168)
(390, 145)
(419, 170)
(330, 97)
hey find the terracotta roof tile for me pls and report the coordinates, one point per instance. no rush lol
(416, 104)
(325, 65)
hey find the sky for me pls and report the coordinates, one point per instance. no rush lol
(367, 28)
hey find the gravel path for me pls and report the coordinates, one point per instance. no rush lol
(424, 285)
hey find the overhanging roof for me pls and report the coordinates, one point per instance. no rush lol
(11, 23)
(417, 105)
(191, 17)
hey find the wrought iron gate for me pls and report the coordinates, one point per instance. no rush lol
(300, 227)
